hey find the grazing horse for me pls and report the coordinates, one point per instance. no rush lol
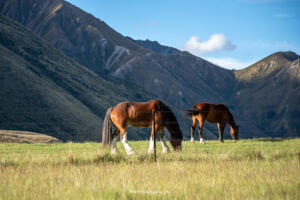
(140, 115)
(215, 113)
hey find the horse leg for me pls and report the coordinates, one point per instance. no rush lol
(193, 128)
(221, 128)
(128, 149)
(151, 145)
(163, 141)
(201, 124)
(115, 136)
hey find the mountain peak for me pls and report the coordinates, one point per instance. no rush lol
(267, 66)
(289, 55)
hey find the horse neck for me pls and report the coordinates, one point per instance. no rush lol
(173, 128)
(231, 121)
(171, 122)
(232, 124)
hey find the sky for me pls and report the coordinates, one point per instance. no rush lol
(232, 34)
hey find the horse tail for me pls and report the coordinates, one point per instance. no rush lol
(107, 128)
(192, 112)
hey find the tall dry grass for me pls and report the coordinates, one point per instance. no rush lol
(248, 169)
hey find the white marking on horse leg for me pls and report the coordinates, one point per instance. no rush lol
(114, 149)
(164, 145)
(192, 139)
(151, 146)
(128, 149)
(202, 141)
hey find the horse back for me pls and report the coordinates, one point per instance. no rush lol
(202, 106)
(214, 112)
(138, 114)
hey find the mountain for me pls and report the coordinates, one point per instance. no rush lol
(155, 46)
(268, 93)
(77, 34)
(180, 79)
(44, 91)
(262, 97)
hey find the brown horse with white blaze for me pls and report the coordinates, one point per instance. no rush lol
(140, 115)
(215, 113)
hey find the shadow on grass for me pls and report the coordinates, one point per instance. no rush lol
(9, 164)
(203, 157)
(233, 156)
(270, 139)
(108, 158)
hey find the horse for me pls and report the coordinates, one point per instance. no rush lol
(215, 113)
(141, 115)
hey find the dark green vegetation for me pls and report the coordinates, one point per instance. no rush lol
(248, 169)
(44, 91)
(263, 98)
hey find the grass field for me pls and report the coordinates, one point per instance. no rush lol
(248, 169)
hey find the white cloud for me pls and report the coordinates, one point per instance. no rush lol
(229, 63)
(216, 42)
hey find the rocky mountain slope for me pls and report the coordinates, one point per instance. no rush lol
(268, 93)
(155, 46)
(42, 90)
(174, 78)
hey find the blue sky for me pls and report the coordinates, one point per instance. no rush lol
(231, 33)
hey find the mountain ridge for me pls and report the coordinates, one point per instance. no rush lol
(266, 66)
(155, 46)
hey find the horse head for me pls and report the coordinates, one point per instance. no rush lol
(176, 140)
(234, 132)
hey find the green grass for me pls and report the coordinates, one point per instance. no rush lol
(248, 169)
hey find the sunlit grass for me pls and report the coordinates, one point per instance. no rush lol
(248, 169)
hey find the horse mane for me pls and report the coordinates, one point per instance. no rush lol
(170, 121)
(231, 121)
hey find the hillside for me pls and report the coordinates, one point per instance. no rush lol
(269, 93)
(180, 79)
(255, 95)
(7, 136)
(44, 91)
(155, 46)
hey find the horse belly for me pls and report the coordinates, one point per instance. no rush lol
(141, 121)
(213, 117)
(139, 124)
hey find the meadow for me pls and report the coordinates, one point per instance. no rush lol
(247, 169)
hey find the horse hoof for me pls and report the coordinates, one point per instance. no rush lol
(222, 141)
(202, 141)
